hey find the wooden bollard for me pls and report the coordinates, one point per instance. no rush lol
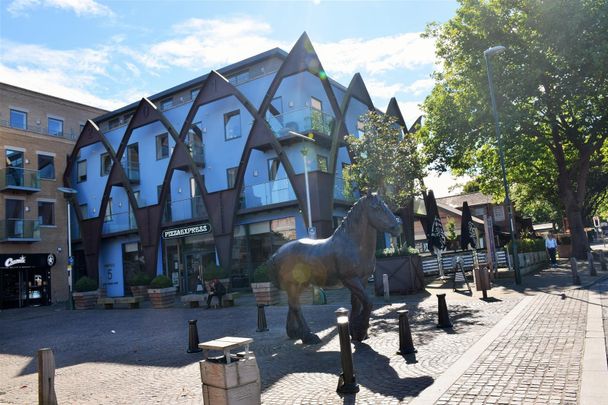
(46, 377)
(592, 271)
(576, 280)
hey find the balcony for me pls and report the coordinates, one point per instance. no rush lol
(131, 169)
(272, 192)
(119, 222)
(18, 179)
(19, 230)
(304, 121)
(186, 209)
(38, 129)
(197, 152)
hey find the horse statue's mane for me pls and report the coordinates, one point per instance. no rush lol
(353, 215)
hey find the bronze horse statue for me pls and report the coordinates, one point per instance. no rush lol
(346, 257)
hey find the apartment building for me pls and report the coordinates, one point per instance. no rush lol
(37, 132)
(216, 172)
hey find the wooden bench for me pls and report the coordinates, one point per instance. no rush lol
(195, 300)
(109, 302)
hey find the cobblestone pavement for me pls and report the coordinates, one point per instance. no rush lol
(139, 356)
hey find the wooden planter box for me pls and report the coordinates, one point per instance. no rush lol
(85, 300)
(265, 293)
(140, 291)
(564, 251)
(162, 297)
(405, 274)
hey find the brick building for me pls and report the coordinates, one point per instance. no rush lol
(37, 132)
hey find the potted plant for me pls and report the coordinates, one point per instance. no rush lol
(404, 268)
(139, 284)
(85, 293)
(161, 292)
(264, 290)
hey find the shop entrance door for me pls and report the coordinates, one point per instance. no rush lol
(193, 272)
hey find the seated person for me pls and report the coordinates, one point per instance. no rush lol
(216, 289)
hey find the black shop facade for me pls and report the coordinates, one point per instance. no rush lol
(25, 279)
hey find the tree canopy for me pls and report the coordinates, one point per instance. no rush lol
(385, 160)
(552, 97)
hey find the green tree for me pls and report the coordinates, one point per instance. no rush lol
(552, 95)
(385, 160)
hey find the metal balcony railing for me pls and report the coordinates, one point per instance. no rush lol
(16, 178)
(303, 121)
(119, 222)
(131, 169)
(271, 192)
(19, 230)
(43, 130)
(182, 210)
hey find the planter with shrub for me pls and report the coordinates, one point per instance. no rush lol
(85, 293)
(404, 269)
(139, 284)
(264, 290)
(161, 292)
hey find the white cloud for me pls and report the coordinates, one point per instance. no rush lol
(80, 7)
(377, 55)
(445, 184)
(419, 87)
(204, 44)
(410, 111)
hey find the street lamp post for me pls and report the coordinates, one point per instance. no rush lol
(68, 192)
(304, 153)
(488, 53)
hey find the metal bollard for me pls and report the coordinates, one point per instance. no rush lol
(576, 280)
(444, 318)
(603, 265)
(406, 345)
(193, 337)
(262, 327)
(592, 271)
(385, 285)
(346, 382)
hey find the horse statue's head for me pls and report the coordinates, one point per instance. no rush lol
(381, 217)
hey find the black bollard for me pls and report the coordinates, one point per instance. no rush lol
(346, 382)
(592, 271)
(576, 280)
(193, 337)
(603, 265)
(406, 345)
(262, 327)
(444, 318)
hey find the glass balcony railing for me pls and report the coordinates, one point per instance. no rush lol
(303, 121)
(197, 152)
(71, 134)
(131, 169)
(119, 222)
(272, 192)
(182, 210)
(17, 178)
(16, 229)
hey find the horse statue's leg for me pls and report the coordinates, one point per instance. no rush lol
(297, 328)
(361, 309)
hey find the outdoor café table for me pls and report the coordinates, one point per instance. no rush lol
(226, 344)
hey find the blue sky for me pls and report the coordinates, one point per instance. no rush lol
(111, 53)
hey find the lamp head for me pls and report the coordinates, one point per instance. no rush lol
(494, 50)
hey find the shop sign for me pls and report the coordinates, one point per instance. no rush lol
(27, 261)
(187, 231)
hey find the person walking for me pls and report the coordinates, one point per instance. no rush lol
(551, 245)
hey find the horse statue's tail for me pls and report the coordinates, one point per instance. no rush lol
(273, 272)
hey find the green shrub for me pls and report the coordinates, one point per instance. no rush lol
(140, 278)
(527, 245)
(260, 275)
(161, 282)
(392, 251)
(85, 284)
(213, 271)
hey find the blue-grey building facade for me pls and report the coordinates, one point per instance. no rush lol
(212, 172)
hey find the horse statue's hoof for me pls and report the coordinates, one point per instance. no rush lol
(311, 339)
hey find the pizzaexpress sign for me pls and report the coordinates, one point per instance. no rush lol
(187, 231)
